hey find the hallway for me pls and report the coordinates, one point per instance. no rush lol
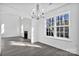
(17, 46)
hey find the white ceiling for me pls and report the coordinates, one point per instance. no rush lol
(26, 8)
(47, 7)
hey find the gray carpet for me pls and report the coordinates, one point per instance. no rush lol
(17, 46)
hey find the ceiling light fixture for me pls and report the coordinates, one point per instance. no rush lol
(37, 13)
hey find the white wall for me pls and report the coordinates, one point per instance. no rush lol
(34, 30)
(0, 44)
(62, 44)
(77, 41)
(11, 25)
(10, 15)
(9, 18)
(0, 36)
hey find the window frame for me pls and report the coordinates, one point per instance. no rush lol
(51, 32)
(55, 32)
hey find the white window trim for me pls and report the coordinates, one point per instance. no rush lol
(55, 32)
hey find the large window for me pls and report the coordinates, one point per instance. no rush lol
(61, 23)
(50, 27)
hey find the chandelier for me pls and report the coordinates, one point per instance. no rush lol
(37, 13)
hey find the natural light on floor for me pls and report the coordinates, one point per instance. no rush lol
(24, 44)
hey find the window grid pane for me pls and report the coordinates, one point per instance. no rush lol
(50, 27)
(61, 22)
(62, 26)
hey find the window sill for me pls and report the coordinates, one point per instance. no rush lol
(58, 38)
